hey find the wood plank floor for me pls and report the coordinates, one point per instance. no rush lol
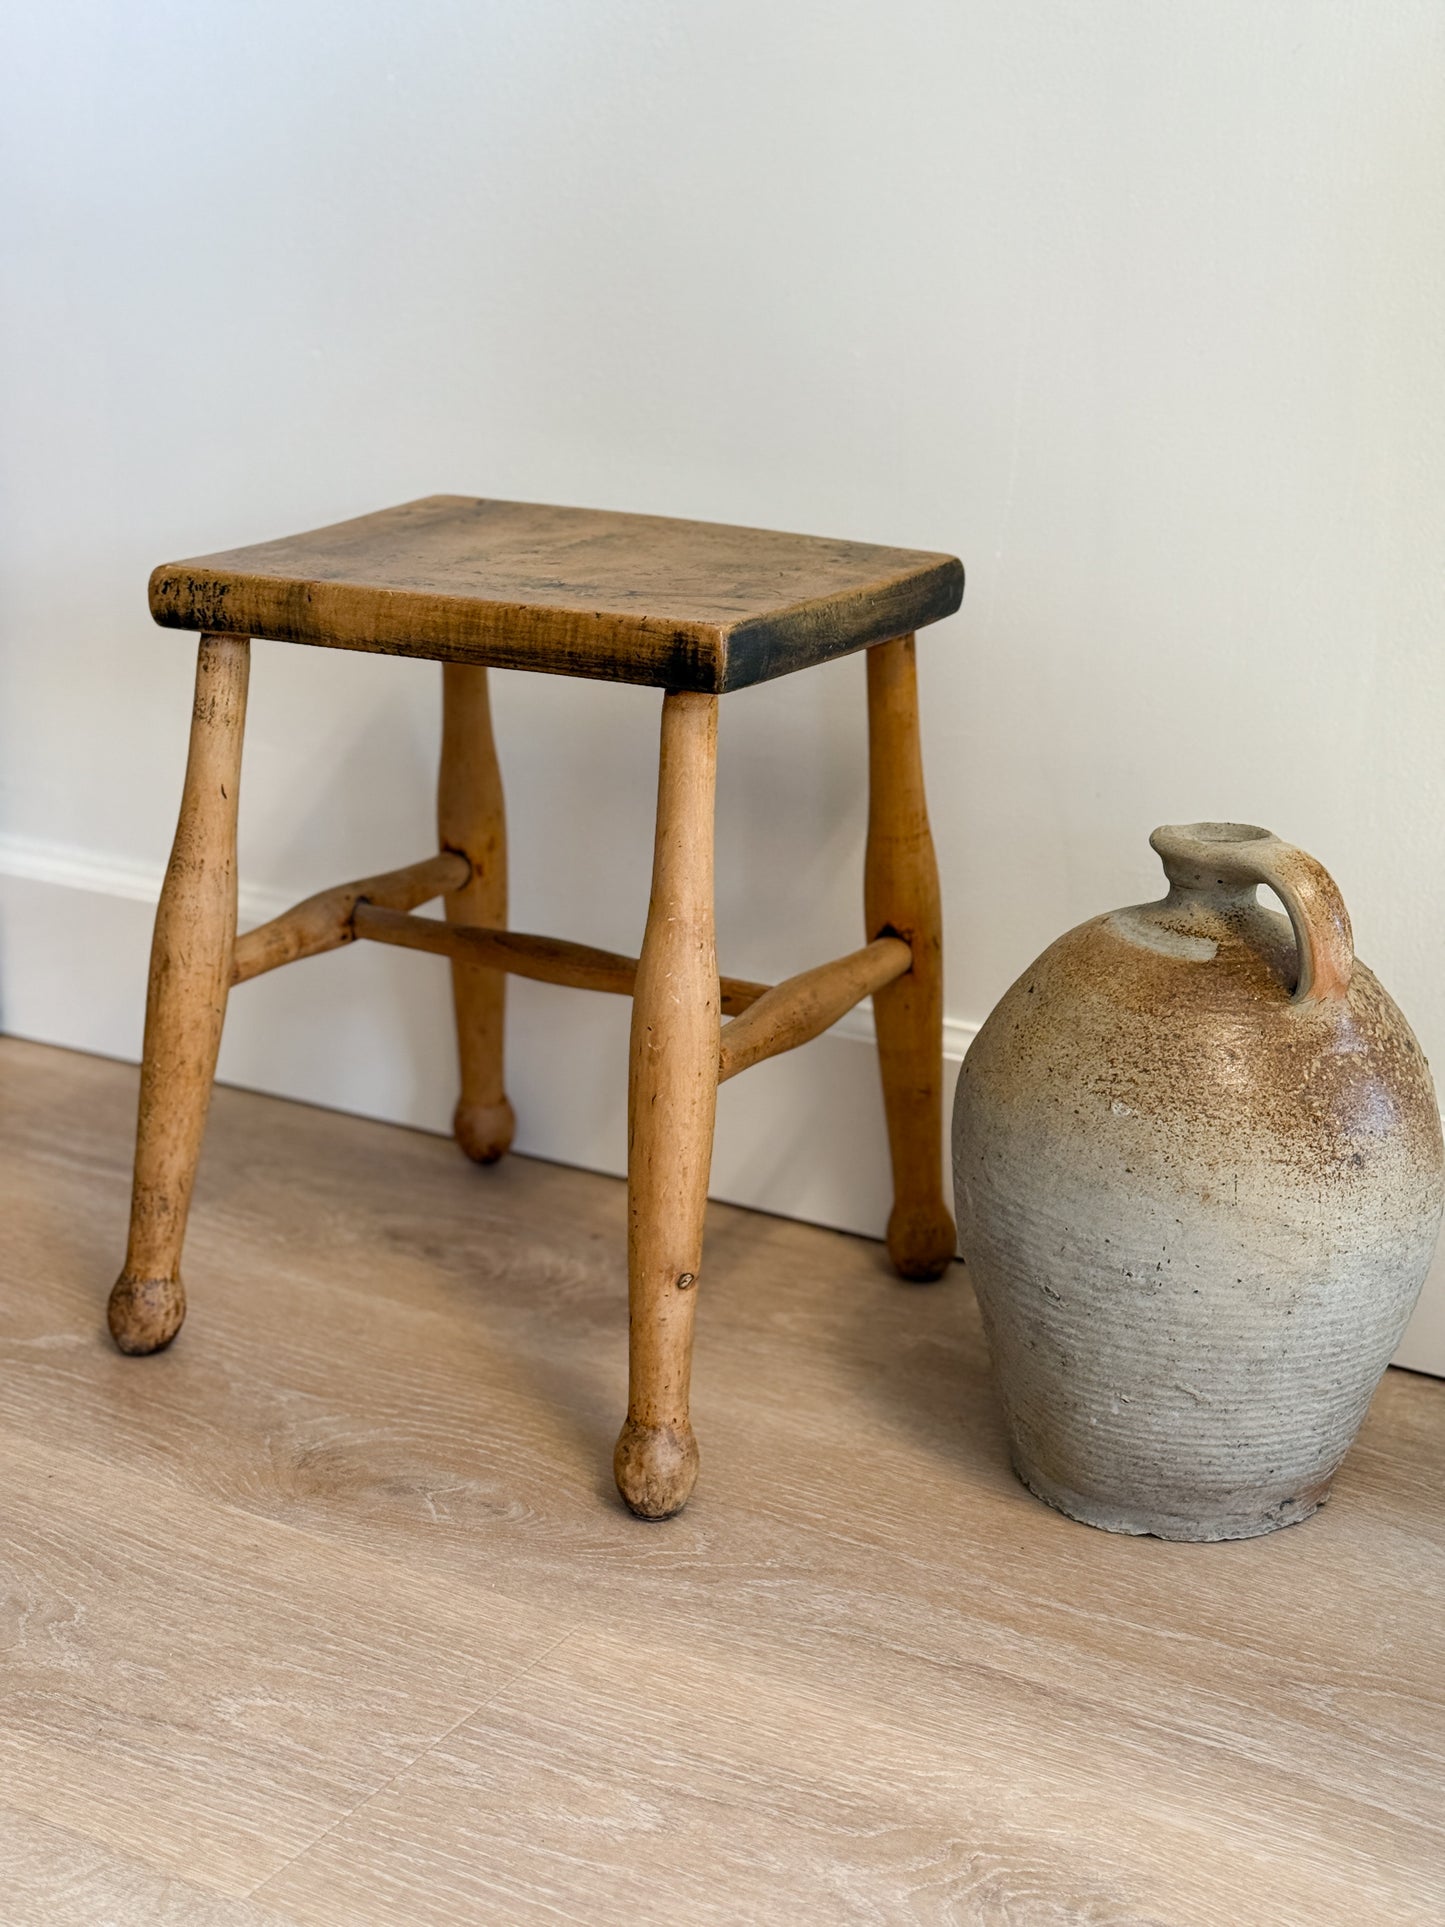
(330, 1615)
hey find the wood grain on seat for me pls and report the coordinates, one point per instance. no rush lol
(577, 592)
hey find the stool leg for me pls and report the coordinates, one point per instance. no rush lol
(471, 819)
(190, 976)
(671, 1100)
(900, 892)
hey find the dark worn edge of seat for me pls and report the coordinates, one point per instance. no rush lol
(605, 645)
(812, 632)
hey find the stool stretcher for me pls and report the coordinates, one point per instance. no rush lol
(547, 960)
(803, 1007)
(326, 921)
(768, 1019)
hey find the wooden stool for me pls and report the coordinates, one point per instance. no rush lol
(693, 608)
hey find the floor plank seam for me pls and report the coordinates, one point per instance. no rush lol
(376, 1792)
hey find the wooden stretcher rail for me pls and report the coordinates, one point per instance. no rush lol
(325, 921)
(766, 1019)
(547, 960)
(803, 1007)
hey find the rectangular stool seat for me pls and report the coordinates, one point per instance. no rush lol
(576, 592)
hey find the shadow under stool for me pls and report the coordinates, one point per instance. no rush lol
(695, 609)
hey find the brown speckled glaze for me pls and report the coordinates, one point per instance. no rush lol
(1198, 1165)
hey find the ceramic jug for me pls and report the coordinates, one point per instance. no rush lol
(1198, 1167)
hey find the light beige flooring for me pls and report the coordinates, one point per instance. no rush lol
(330, 1615)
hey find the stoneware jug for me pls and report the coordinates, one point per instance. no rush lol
(1199, 1178)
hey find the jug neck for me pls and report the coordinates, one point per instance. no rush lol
(1188, 895)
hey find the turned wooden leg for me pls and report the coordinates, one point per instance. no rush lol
(190, 974)
(900, 895)
(471, 819)
(671, 1099)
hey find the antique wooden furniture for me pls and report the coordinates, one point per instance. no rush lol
(693, 608)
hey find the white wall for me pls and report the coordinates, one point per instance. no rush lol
(1136, 306)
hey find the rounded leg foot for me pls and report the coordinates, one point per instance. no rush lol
(921, 1242)
(145, 1314)
(485, 1131)
(655, 1467)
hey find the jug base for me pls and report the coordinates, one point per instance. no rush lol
(1144, 1522)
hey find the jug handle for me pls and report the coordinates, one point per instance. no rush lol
(1200, 854)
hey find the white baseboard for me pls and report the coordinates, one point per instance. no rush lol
(368, 1029)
